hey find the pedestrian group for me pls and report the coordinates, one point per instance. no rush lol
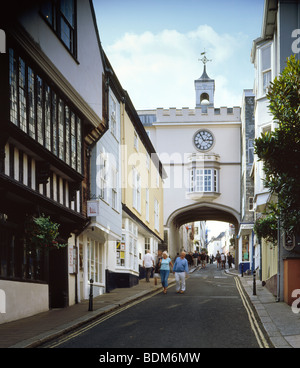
(180, 268)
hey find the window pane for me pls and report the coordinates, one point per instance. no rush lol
(192, 184)
(207, 180)
(215, 181)
(47, 11)
(54, 123)
(66, 34)
(96, 275)
(266, 58)
(266, 80)
(31, 103)
(67, 9)
(39, 109)
(22, 95)
(13, 87)
(73, 141)
(67, 127)
(48, 117)
(245, 248)
(61, 134)
(79, 169)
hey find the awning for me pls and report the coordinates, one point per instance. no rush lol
(261, 201)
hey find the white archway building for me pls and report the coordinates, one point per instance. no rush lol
(200, 152)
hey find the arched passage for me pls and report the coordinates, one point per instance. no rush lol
(198, 212)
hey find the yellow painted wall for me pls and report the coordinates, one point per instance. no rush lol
(132, 157)
(269, 260)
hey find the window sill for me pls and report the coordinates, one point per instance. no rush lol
(197, 196)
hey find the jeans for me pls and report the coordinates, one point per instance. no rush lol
(164, 275)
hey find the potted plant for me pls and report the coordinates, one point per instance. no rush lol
(41, 232)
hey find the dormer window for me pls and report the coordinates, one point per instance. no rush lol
(61, 16)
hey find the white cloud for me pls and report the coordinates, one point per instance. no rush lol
(158, 70)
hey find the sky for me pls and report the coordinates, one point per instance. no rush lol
(155, 46)
(215, 228)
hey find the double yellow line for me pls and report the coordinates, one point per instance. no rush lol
(253, 321)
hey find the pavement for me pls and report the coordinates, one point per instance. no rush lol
(280, 322)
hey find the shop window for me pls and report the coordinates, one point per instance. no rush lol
(245, 248)
(19, 260)
(120, 252)
(95, 261)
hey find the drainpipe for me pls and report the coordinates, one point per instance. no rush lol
(278, 261)
(252, 240)
(77, 279)
(260, 259)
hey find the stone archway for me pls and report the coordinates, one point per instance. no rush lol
(204, 211)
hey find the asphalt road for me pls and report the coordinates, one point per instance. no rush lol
(210, 314)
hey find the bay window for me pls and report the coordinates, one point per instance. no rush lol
(266, 67)
(203, 180)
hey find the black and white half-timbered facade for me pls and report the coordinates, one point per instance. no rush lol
(53, 103)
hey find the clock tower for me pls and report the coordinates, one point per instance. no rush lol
(205, 88)
(200, 150)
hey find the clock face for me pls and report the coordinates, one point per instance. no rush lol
(203, 140)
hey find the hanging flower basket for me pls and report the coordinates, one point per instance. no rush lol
(41, 232)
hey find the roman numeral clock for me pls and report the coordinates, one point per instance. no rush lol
(203, 140)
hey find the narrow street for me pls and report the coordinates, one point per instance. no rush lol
(210, 314)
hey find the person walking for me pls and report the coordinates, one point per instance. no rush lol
(165, 265)
(157, 267)
(203, 259)
(195, 258)
(181, 269)
(218, 258)
(229, 260)
(223, 260)
(148, 264)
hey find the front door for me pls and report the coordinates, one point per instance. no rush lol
(58, 278)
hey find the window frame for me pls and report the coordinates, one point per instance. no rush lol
(55, 23)
(136, 188)
(156, 214)
(36, 109)
(205, 182)
(265, 72)
(95, 261)
(114, 189)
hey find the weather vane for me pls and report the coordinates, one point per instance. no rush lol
(204, 59)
